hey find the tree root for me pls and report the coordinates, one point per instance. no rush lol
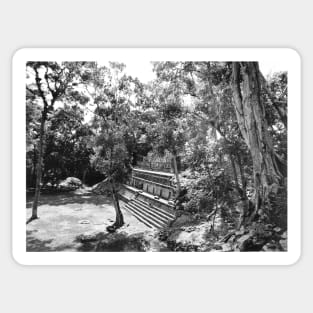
(32, 218)
(114, 227)
(227, 237)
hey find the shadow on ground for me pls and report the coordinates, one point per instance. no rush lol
(34, 244)
(77, 221)
(68, 198)
(102, 242)
(116, 242)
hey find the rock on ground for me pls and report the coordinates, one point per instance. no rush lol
(70, 183)
(190, 238)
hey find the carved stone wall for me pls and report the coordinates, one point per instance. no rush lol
(154, 183)
(156, 162)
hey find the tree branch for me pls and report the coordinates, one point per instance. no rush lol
(41, 93)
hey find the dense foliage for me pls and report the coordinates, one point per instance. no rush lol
(99, 122)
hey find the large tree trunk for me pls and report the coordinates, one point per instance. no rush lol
(39, 166)
(250, 112)
(280, 106)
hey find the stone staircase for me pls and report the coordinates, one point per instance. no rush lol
(149, 193)
(150, 215)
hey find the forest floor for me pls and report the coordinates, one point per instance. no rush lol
(77, 221)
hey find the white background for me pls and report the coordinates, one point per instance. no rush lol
(288, 57)
(153, 24)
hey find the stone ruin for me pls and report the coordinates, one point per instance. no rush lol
(149, 194)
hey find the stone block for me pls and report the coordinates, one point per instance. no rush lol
(150, 188)
(157, 191)
(165, 193)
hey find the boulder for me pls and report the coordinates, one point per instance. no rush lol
(70, 183)
(227, 247)
(270, 247)
(250, 242)
(244, 241)
(188, 239)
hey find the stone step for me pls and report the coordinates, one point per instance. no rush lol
(149, 211)
(144, 218)
(156, 220)
(155, 212)
(163, 212)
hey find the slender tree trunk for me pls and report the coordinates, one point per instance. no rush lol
(250, 112)
(176, 173)
(39, 166)
(84, 176)
(119, 219)
(33, 182)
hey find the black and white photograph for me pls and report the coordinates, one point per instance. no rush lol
(156, 156)
(138, 155)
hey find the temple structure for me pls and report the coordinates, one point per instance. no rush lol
(149, 194)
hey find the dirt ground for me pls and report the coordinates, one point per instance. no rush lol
(77, 221)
